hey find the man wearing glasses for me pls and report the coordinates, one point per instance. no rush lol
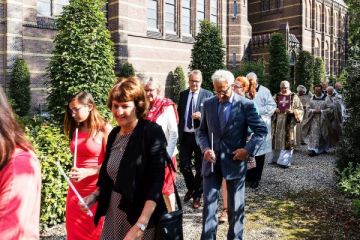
(222, 136)
(189, 109)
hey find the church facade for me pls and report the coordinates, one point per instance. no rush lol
(156, 36)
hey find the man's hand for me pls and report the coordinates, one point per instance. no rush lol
(196, 115)
(209, 155)
(277, 110)
(240, 154)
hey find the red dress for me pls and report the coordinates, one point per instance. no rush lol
(79, 226)
(20, 191)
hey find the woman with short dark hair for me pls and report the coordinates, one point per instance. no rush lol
(132, 175)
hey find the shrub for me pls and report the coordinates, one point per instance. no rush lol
(127, 70)
(349, 181)
(304, 70)
(208, 52)
(319, 71)
(279, 66)
(252, 66)
(348, 150)
(19, 88)
(50, 146)
(83, 56)
(176, 84)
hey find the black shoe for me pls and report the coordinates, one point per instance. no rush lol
(196, 203)
(312, 153)
(188, 196)
(303, 143)
(254, 184)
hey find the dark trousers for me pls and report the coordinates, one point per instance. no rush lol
(254, 174)
(188, 147)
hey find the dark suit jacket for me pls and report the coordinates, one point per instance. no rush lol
(140, 175)
(203, 94)
(243, 115)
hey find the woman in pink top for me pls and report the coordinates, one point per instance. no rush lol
(93, 131)
(20, 180)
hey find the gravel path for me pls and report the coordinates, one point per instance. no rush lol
(305, 174)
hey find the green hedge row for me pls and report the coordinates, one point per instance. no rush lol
(50, 146)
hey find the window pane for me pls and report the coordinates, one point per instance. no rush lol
(169, 16)
(44, 8)
(152, 14)
(185, 3)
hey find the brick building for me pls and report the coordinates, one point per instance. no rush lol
(156, 36)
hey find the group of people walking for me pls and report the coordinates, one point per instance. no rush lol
(123, 173)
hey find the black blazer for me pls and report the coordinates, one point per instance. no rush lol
(203, 94)
(141, 173)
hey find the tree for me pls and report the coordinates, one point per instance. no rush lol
(19, 89)
(304, 70)
(83, 56)
(348, 150)
(279, 66)
(319, 71)
(252, 66)
(177, 84)
(208, 52)
(127, 70)
(354, 28)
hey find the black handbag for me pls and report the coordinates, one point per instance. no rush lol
(170, 225)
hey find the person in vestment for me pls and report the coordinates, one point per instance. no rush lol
(336, 119)
(305, 97)
(93, 131)
(223, 141)
(131, 177)
(288, 113)
(20, 179)
(316, 124)
(163, 112)
(266, 106)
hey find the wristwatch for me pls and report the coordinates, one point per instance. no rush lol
(141, 226)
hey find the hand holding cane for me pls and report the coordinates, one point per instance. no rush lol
(81, 200)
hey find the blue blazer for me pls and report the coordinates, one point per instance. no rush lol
(243, 115)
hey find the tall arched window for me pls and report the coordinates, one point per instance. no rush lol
(309, 10)
(336, 24)
(306, 13)
(327, 58)
(329, 21)
(317, 48)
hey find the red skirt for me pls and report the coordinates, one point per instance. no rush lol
(170, 178)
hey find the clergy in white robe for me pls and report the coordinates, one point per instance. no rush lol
(305, 97)
(266, 106)
(316, 124)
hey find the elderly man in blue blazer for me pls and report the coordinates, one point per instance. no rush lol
(222, 138)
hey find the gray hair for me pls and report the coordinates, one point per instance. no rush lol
(330, 88)
(301, 88)
(285, 84)
(151, 82)
(251, 75)
(195, 72)
(223, 75)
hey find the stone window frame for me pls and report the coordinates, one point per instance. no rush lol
(190, 17)
(212, 15)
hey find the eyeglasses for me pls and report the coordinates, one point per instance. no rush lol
(237, 86)
(222, 92)
(76, 110)
(150, 90)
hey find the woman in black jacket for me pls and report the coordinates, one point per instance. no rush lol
(132, 175)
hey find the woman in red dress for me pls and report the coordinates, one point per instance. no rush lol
(92, 135)
(20, 180)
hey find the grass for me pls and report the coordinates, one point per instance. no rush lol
(309, 214)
